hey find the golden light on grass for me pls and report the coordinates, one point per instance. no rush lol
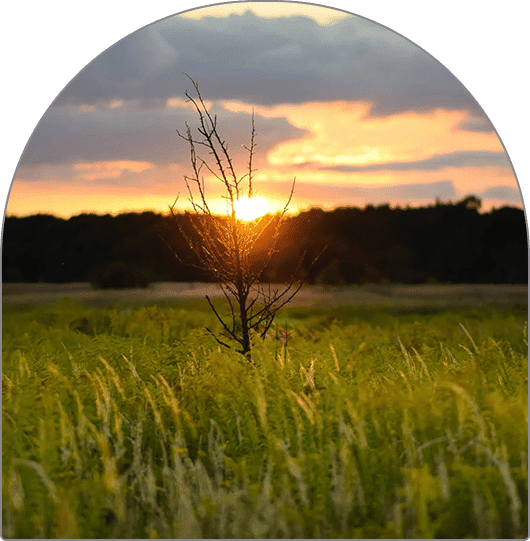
(250, 209)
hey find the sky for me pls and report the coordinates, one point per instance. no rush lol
(355, 112)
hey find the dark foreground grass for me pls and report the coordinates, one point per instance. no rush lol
(131, 422)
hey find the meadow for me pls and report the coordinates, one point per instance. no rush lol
(129, 421)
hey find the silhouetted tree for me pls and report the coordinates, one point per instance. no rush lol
(225, 246)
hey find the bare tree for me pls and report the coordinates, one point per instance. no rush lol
(225, 246)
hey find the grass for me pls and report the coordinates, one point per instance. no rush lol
(130, 422)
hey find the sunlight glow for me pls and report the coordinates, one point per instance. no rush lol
(250, 209)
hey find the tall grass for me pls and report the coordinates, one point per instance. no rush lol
(133, 423)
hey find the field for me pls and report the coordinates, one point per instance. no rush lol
(386, 418)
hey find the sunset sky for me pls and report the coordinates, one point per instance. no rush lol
(358, 114)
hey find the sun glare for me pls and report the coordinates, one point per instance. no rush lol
(250, 209)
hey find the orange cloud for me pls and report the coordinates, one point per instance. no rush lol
(110, 169)
(87, 107)
(184, 103)
(464, 178)
(116, 104)
(342, 133)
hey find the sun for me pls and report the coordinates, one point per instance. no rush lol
(250, 209)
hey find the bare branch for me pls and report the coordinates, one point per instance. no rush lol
(225, 327)
(224, 246)
(217, 339)
(250, 150)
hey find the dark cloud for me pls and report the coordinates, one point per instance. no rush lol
(434, 163)
(476, 124)
(142, 131)
(269, 61)
(507, 194)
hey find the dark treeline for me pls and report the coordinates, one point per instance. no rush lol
(445, 243)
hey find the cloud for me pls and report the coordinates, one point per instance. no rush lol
(109, 170)
(341, 136)
(476, 124)
(272, 60)
(328, 195)
(433, 163)
(138, 131)
(506, 194)
(320, 14)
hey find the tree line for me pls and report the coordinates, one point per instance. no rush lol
(439, 243)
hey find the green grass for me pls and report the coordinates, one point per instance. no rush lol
(131, 422)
